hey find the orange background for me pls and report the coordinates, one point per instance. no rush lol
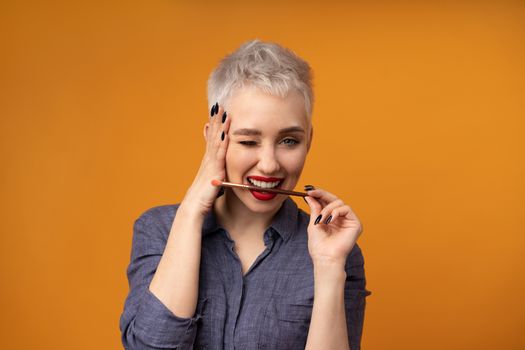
(419, 126)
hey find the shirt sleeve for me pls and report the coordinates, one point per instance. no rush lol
(355, 297)
(146, 323)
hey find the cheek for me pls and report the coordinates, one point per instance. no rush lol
(293, 161)
(237, 158)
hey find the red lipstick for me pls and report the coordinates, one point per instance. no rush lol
(264, 178)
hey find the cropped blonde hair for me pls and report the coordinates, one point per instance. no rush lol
(268, 66)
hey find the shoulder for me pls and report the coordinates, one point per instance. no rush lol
(157, 219)
(159, 212)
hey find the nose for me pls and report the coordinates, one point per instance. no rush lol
(268, 162)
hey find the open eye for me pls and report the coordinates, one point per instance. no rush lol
(291, 142)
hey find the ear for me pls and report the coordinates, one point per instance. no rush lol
(205, 131)
(310, 139)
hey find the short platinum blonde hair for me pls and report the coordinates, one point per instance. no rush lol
(268, 66)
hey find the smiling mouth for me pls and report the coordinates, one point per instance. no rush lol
(264, 184)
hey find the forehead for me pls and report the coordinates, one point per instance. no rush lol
(251, 107)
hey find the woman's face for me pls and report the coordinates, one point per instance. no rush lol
(269, 138)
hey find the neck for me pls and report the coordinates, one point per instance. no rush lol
(238, 219)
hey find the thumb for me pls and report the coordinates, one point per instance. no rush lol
(315, 208)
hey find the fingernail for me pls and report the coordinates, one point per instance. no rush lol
(217, 108)
(318, 219)
(328, 220)
(309, 187)
(223, 117)
(212, 111)
(222, 136)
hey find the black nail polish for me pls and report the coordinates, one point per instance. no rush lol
(222, 136)
(212, 111)
(328, 220)
(217, 108)
(223, 117)
(318, 219)
(309, 187)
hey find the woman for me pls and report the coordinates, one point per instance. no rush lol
(239, 269)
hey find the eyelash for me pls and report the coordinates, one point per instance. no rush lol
(247, 143)
(295, 142)
(253, 143)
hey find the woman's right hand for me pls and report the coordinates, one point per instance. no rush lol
(201, 194)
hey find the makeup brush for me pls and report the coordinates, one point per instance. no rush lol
(259, 189)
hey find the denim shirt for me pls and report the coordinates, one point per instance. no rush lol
(270, 307)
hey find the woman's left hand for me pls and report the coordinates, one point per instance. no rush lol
(330, 243)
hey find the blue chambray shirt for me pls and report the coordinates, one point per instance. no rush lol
(270, 307)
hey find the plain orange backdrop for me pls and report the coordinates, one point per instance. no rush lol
(419, 126)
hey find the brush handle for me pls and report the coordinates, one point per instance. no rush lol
(249, 187)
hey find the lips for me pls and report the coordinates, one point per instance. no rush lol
(265, 179)
(279, 180)
(261, 181)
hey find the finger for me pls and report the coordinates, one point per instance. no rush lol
(214, 110)
(224, 123)
(322, 195)
(321, 199)
(347, 213)
(306, 189)
(344, 211)
(327, 210)
(213, 125)
(315, 208)
(220, 115)
(223, 147)
(217, 127)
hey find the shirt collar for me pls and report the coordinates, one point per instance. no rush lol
(284, 222)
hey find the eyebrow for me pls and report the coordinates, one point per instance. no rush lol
(255, 132)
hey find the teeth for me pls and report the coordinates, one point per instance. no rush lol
(264, 184)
